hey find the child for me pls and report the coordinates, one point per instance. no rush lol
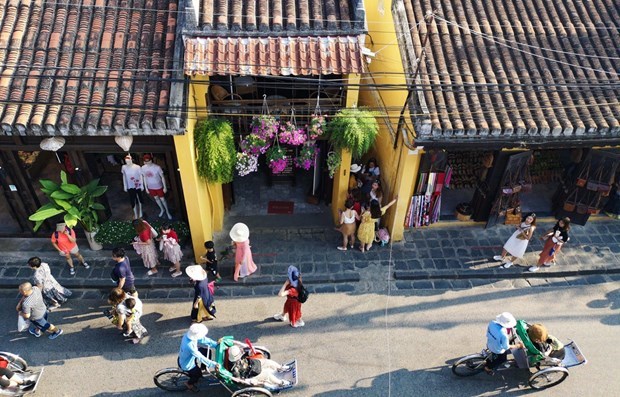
(133, 326)
(169, 243)
(210, 259)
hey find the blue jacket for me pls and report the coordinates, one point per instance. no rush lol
(497, 338)
(188, 353)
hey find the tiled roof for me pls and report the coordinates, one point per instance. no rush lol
(273, 56)
(522, 70)
(273, 17)
(96, 67)
(275, 37)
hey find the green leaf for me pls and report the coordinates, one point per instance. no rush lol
(98, 191)
(63, 177)
(73, 211)
(45, 213)
(37, 225)
(98, 207)
(71, 220)
(70, 188)
(64, 204)
(61, 195)
(92, 185)
(49, 185)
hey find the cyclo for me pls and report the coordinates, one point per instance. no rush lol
(18, 365)
(548, 371)
(175, 379)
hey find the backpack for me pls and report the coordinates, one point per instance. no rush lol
(302, 293)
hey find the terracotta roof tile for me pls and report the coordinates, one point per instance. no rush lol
(86, 66)
(517, 69)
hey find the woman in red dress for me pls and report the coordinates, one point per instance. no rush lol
(292, 307)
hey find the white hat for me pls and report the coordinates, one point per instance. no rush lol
(239, 232)
(355, 168)
(197, 331)
(506, 320)
(196, 272)
(234, 353)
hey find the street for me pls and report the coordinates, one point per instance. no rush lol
(352, 344)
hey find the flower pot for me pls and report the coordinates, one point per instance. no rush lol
(94, 246)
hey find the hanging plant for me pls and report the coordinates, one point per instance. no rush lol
(215, 150)
(291, 135)
(307, 155)
(246, 163)
(333, 163)
(353, 129)
(315, 126)
(277, 159)
(254, 145)
(264, 126)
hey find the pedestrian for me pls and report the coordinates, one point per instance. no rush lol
(122, 274)
(376, 192)
(515, 246)
(144, 245)
(169, 244)
(612, 207)
(555, 240)
(366, 232)
(354, 177)
(192, 357)
(210, 259)
(244, 264)
(128, 311)
(259, 371)
(292, 306)
(32, 307)
(347, 225)
(64, 240)
(203, 306)
(371, 170)
(54, 294)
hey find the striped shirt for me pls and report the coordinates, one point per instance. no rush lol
(33, 304)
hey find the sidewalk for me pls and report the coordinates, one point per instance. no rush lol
(447, 255)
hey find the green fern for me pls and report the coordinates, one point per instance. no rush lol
(353, 129)
(215, 150)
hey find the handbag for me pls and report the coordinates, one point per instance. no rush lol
(594, 182)
(513, 216)
(593, 207)
(582, 179)
(22, 323)
(570, 204)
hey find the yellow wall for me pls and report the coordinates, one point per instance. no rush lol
(203, 201)
(341, 177)
(399, 167)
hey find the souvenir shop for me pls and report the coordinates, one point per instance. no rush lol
(499, 186)
(23, 164)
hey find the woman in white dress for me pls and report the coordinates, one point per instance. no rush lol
(517, 243)
(54, 294)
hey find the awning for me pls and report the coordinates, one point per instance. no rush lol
(275, 56)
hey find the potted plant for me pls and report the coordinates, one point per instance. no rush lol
(264, 126)
(121, 233)
(315, 127)
(215, 149)
(76, 204)
(333, 163)
(246, 163)
(291, 135)
(254, 145)
(353, 129)
(307, 155)
(277, 159)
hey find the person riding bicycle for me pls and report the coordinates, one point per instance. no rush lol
(192, 358)
(499, 335)
(258, 370)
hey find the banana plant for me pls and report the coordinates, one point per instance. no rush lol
(78, 204)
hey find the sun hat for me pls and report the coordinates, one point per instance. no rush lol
(293, 276)
(197, 331)
(239, 232)
(506, 320)
(196, 272)
(355, 168)
(234, 353)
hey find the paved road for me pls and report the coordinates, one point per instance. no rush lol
(352, 345)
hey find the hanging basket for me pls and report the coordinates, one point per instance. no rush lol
(52, 144)
(124, 141)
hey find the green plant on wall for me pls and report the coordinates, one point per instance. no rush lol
(77, 204)
(353, 129)
(215, 150)
(119, 233)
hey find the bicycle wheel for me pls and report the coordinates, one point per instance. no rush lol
(263, 351)
(16, 363)
(252, 392)
(548, 378)
(469, 365)
(171, 379)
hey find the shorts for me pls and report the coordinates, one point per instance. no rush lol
(135, 197)
(41, 323)
(156, 192)
(212, 267)
(75, 250)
